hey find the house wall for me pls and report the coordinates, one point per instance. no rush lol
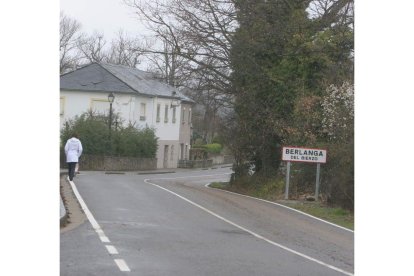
(172, 152)
(78, 102)
(128, 106)
(165, 130)
(185, 130)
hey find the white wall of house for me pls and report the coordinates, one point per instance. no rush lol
(130, 108)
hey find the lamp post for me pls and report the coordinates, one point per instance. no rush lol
(111, 98)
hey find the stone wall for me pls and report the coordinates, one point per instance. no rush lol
(187, 164)
(113, 163)
(219, 159)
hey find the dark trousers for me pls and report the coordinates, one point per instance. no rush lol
(71, 169)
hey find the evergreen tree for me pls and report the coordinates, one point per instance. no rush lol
(268, 73)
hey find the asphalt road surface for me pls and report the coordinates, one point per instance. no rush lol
(172, 224)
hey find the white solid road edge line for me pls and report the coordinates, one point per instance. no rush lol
(281, 205)
(122, 265)
(191, 176)
(111, 249)
(251, 232)
(89, 215)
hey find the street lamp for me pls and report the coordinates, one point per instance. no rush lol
(174, 102)
(111, 98)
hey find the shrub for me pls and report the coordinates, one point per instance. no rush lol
(338, 180)
(134, 142)
(92, 131)
(213, 148)
(124, 141)
(198, 142)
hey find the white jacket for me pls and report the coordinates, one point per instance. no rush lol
(73, 150)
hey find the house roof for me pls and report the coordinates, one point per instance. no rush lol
(117, 78)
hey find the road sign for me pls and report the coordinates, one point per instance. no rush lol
(295, 154)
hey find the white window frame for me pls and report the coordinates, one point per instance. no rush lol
(183, 116)
(143, 111)
(158, 113)
(98, 100)
(166, 113)
(174, 116)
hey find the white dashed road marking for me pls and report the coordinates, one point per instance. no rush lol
(111, 249)
(122, 265)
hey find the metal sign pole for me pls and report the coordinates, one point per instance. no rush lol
(318, 170)
(287, 180)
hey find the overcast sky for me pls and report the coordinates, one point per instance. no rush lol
(105, 16)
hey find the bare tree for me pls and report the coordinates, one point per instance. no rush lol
(190, 48)
(124, 51)
(333, 12)
(197, 31)
(165, 61)
(93, 47)
(69, 36)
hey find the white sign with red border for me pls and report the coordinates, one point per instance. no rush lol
(295, 154)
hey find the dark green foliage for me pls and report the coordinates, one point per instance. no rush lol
(93, 131)
(209, 148)
(134, 142)
(268, 75)
(338, 177)
(282, 62)
(213, 148)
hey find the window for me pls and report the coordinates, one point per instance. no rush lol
(166, 114)
(174, 114)
(183, 116)
(189, 115)
(62, 106)
(142, 112)
(100, 106)
(158, 112)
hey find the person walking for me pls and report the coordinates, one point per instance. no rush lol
(73, 150)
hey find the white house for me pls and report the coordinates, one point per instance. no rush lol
(140, 99)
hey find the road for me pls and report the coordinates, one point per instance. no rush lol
(172, 224)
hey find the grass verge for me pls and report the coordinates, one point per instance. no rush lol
(338, 216)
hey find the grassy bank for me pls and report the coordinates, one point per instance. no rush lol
(318, 209)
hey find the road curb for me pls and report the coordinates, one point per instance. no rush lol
(63, 211)
(161, 172)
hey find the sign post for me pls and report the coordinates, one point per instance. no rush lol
(287, 180)
(318, 170)
(294, 154)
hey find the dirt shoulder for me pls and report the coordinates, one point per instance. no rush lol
(75, 214)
